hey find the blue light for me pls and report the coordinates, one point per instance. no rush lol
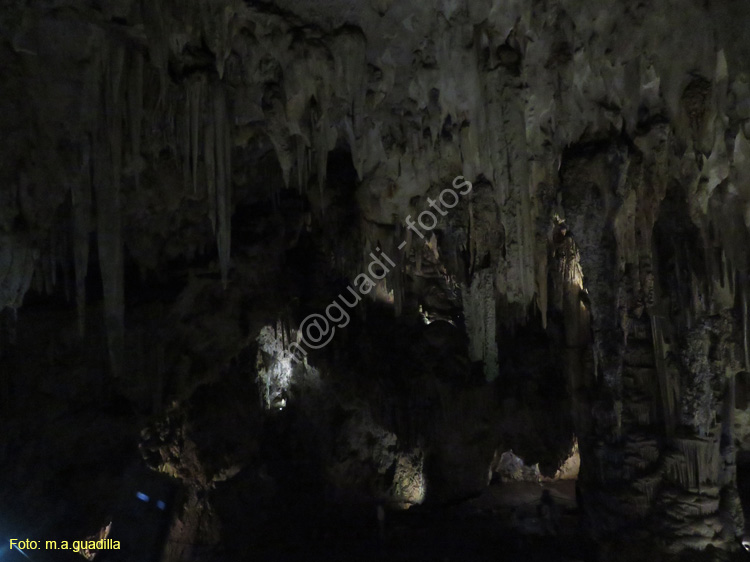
(21, 551)
(141, 496)
(161, 505)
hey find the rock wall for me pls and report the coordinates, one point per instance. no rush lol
(183, 174)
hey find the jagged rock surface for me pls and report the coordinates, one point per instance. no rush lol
(169, 165)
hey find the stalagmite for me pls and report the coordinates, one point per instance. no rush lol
(479, 309)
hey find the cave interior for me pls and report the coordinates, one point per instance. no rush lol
(300, 280)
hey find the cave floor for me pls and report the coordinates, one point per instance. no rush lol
(499, 525)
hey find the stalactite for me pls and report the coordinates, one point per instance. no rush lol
(47, 269)
(319, 130)
(217, 150)
(397, 274)
(302, 171)
(699, 465)
(160, 374)
(279, 133)
(184, 144)
(195, 97)
(350, 65)
(17, 261)
(541, 284)
(209, 157)
(135, 113)
(215, 20)
(81, 205)
(11, 324)
(57, 249)
(667, 386)
(37, 279)
(155, 24)
(63, 254)
(223, 180)
(745, 342)
(171, 128)
(108, 169)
